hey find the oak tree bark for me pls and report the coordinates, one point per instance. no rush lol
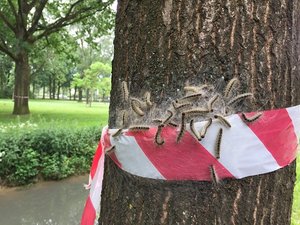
(21, 89)
(159, 45)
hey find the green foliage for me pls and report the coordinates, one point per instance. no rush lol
(97, 76)
(26, 167)
(48, 32)
(296, 202)
(56, 167)
(6, 77)
(50, 154)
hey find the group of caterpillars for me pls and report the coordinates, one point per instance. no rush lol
(200, 103)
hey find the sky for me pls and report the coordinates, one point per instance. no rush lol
(114, 6)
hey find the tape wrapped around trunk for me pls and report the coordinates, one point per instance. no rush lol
(246, 149)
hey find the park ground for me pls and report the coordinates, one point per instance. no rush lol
(60, 113)
(49, 113)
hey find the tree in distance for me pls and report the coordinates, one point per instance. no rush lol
(24, 23)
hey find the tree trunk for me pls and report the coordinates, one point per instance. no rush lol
(58, 91)
(159, 46)
(33, 90)
(22, 85)
(75, 92)
(53, 87)
(44, 91)
(79, 94)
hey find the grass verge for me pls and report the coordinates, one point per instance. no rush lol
(49, 113)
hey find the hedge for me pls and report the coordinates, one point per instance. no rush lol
(49, 154)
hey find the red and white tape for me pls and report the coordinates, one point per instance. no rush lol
(246, 150)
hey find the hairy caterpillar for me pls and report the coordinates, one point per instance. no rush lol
(218, 143)
(191, 88)
(182, 128)
(171, 123)
(125, 92)
(147, 99)
(157, 120)
(196, 111)
(111, 149)
(205, 128)
(195, 133)
(117, 133)
(165, 121)
(223, 120)
(180, 106)
(229, 87)
(252, 118)
(213, 175)
(239, 98)
(158, 139)
(135, 107)
(188, 97)
(138, 128)
(211, 102)
(124, 118)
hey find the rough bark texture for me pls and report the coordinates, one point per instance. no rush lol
(21, 91)
(159, 45)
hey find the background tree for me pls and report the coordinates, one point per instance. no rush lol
(159, 46)
(23, 23)
(93, 79)
(5, 76)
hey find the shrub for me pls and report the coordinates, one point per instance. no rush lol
(50, 154)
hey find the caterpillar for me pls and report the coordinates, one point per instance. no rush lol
(223, 120)
(182, 128)
(196, 111)
(165, 121)
(239, 98)
(218, 143)
(111, 149)
(211, 102)
(195, 133)
(117, 133)
(135, 107)
(138, 128)
(180, 106)
(124, 118)
(229, 87)
(188, 97)
(158, 139)
(171, 123)
(147, 99)
(125, 92)
(139, 102)
(191, 88)
(213, 175)
(205, 128)
(252, 118)
(157, 120)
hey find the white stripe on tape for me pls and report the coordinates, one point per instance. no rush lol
(242, 153)
(294, 113)
(96, 187)
(132, 157)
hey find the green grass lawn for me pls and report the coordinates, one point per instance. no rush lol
(60, 113)
(48, 113)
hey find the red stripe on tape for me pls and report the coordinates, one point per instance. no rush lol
(96, 158)
(89, 213)
(274, 129)
(187, 160)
